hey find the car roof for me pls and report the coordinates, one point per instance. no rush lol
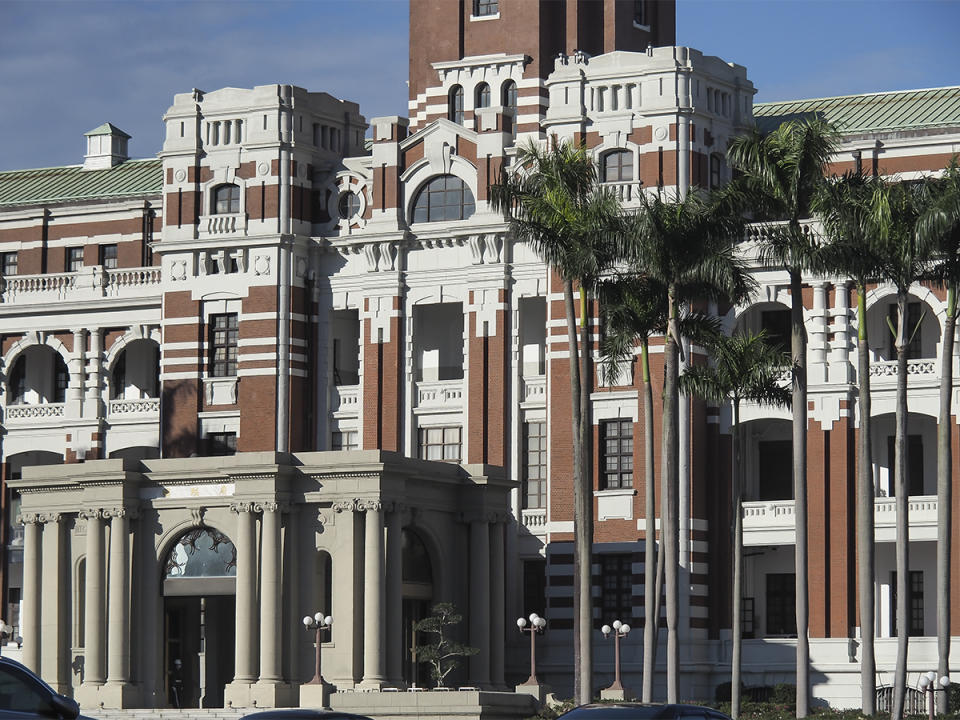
(307, 713)
(652, 710)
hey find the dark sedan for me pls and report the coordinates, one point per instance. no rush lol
(24, 696)
(303, 714)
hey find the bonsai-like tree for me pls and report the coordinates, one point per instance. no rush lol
(443, 654)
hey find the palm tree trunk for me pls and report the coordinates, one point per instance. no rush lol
(649, 544)
(737, 565)
(945, 496)
(577, 479)
(865, 511)
(670, 466)
(903, 527)
(798, 344)
(584, 500)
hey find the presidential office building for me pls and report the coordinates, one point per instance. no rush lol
(296, 362)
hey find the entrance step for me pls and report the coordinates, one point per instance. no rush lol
(168, 714)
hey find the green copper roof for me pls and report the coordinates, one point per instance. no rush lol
(61, 184)
(107, 129)
(873, 112)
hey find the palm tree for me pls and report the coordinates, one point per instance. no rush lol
(554, 203)
(844, 209)
(941, 222)
(782, 171)
(904, 257)
(745, 367)
(634, 308)
(687, 246)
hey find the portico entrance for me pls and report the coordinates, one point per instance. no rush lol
(199, 619)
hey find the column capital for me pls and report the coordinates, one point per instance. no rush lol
(29, 518)
(121, 512)
(345, 505)
(370, 505)
(50, 517)
(243, 507)
(92, 513)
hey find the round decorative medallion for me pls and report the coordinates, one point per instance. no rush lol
(263, 168)
(661, 133)
(180, 175)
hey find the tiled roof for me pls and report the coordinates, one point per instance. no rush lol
(59, 184)
(901, 110)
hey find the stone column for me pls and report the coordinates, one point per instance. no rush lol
(245, 672)
(479, 611)
(93, 643)
(94, 371)
(30, 623)
(53, 628)
(374, 626)
(118, 639)
(271, 634)
(394, 596)
(497, 599)
(76, 367)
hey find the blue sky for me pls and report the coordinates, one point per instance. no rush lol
(68, 66)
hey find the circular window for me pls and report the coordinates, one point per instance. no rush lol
(348, 205)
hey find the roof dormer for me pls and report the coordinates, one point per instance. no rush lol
(106, 147)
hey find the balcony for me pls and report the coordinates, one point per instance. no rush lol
(534, 520)
(91, 283)
(625, 192)
(147, 408)
(440, 395)
(534, 391)
(223, 224)
(345, 400)
(772, 522)
(883, 373)
(30, 414)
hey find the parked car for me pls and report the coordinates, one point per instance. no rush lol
(303, 714)
(24, 696)
(640, 711)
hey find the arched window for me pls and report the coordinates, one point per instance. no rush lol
(226, 199)
(618, 166)
(455, 105)
(202, 552)
(509, 95)
(482, 99)
(445, 197)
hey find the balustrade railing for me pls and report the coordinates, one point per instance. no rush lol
(440, 392)
(534, 520)
(888, 368)
(134, 406)
(534, 389)
(88, 283)
(34, 412)
(345, 398)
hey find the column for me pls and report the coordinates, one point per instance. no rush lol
(394, 599)
(94, 365)
(93, 643)
(271, 635)
(244, 671)
(497, 600)
(479, 611)
(76, 367)
(118, 640)
(52, 630)
(374, 627)
(30, 623)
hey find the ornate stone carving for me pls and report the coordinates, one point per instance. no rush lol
(267, 506)
(92, 513)
(197, 515)
(50, 517)
(28, 518)
(242, 507)
(345, 506)
(374, 505)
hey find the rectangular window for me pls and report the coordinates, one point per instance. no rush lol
(534, 587)
(483, 8)
(616, 454)
(775, 469)
(223, 345)
(108, 256)
(914, 464)
(781, 604)
(616, 589)
(74, 259)
(534, 465)
(776, 324)
(714, 171)
(345, 440)
(222, 443)
(440, 443)
(8, 264)
(915, 615)
(61, 380)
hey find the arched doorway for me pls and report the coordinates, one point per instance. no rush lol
(199, 589)
(417, 575)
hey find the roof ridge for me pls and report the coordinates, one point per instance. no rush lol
(858, 95)
(80, 165)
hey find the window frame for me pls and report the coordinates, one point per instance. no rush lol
(455, 105)
(620, 475)
(223, 366)
(225, 194)
(221, 443)
(73, 258)
(621, 167)
(341, 440)
(426, 437)
(9, 260)
(352, 201)
(108, 256)
(616, 588)
(536, 500)
(431, 189)
(482, 95)
(486, 8)
(784, 590)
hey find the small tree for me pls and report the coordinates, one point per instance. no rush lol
(443, 654)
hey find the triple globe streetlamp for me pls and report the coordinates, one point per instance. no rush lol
(537, 626)
(319, 622)
(619, 630)
(930, 683)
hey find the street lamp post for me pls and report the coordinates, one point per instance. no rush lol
(319, 622)
(620, 630)
(537, 625)
(929, 683)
